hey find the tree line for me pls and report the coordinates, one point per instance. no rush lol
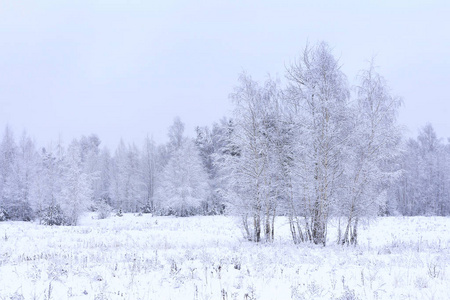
(55, 184)
(313, 149)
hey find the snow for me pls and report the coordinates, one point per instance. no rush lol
(146, 257)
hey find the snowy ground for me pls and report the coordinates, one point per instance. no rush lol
(144, 257)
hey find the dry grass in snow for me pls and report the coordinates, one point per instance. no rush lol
(145, 257)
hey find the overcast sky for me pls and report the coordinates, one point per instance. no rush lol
(125, 69)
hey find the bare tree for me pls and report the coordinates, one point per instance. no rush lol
(374, 144)
(249, 161)
(318, 97)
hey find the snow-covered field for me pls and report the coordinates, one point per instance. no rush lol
(145, 257)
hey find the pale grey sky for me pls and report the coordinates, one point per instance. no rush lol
(127, 68)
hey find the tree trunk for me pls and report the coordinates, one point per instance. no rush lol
(268, 229)
(245, 224)
(354, 237)
(339, 232)
(293, 230)
(308, 230)
(257, 228)
(318, 232)
(345, 239)
(273, 225)
(296, 230)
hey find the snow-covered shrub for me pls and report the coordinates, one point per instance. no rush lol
(20, 212)
(3, 214)
(119, 213)
(54, 215)
(212, 208)
(103, 210)
(17, 296)
(182, 211)
(348, 295)
(434, 269)
(146, 209)
(421, 282)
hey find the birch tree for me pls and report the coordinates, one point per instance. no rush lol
(318, 94)
(251, 183)
(374, 143)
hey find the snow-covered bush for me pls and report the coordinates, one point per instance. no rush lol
(3, 214)
(119, 213)
(103, 210)
(146, 209)
(54, 215)
(20, 212)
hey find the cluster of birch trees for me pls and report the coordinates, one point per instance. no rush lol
(312, 149)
